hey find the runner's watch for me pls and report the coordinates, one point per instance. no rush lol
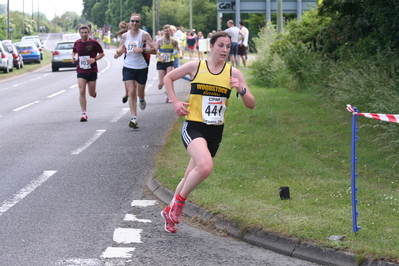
(243, 91)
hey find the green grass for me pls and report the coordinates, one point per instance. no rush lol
(293, 139)
(28, 67)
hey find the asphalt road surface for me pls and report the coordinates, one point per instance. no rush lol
(72, 193)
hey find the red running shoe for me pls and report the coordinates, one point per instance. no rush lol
(176, 210)
(170, 226)
(84, 118)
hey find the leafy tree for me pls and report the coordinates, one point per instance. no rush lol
(366, 26)
(3, 26)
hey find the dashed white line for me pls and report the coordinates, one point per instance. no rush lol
(20, 195)
(143, 203)
(25, 106)
(55, 94)
(89, 142)
(119, 115)
(127, 235)
(115, 252)
(132, 218)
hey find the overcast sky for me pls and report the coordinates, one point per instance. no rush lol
(49, 7)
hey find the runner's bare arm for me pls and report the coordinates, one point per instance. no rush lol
(121, 48)
(237, 81)
(150, 47)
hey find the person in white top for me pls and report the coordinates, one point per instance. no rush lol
(234, 33)
(243, 43)
(137, 44)
(179, 34)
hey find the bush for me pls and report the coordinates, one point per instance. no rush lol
(369, 82)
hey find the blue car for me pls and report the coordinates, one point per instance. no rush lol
(29, 52)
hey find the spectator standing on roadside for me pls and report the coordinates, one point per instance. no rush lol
(243, 43)
(137, 43)
(165, 64)
(159, 36)
(89, 51)
(191, 44)
(107, 41)
(234, 33)
(179, 34)
(212, 84)
(184, 43)
(200, 36)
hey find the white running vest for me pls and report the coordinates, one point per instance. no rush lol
(134, 60)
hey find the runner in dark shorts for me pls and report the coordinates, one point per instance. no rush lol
(164, 66)
(139, 75)
(212, 134)
(88, 76)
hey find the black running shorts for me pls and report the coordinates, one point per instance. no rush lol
(211, 133)
(139, 75)
(88, 76)
(164, 66)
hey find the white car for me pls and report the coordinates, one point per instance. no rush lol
(6, 59)
(30, 38)
(62, 55)
(71, 37)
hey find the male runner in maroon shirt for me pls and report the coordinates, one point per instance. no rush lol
(89, 51)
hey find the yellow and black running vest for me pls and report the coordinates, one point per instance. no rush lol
(166, 50)
(209, 95)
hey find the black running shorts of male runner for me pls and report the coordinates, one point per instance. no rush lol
(164, 66)
(211, 133)
(139, 75)
(88, 76)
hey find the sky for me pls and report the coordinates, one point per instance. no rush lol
(48, 7)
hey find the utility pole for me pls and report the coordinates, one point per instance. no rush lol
(153, 20)
(8, 19)
(157, 16)
(23, 17)
(279, 16)
(191, 14)
(38, 17)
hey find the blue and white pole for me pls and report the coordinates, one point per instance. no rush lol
(354, 174)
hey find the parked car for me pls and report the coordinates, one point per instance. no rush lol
(39, 46)
(17, 57)
(37, 41)
(71, 36)
(62, 55)
(30, 38)
(29, 52)
(6, 60)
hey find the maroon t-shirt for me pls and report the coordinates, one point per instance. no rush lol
(90, 48)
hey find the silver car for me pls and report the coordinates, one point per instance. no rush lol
(6, 59)
(62, 55)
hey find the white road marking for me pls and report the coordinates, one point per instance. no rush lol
(127, 235)
(119, 115)
(55, 94)
(114, 252)
(25, 106)
(15, 85)
(89, 142)
(143, 203)
(133, 218)
(79, 262)
(20, 195)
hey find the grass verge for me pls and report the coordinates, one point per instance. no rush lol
(28, 67)
(294, 139)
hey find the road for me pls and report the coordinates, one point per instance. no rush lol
(72, 193)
